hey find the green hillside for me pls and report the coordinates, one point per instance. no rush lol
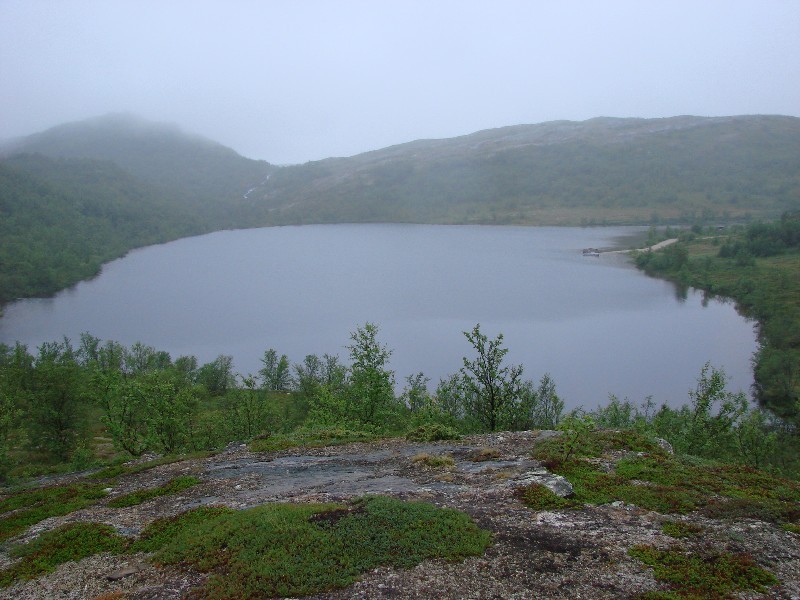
(61, 219)
(185, 168)
(602, 171)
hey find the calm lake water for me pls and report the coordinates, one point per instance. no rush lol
(597, 325)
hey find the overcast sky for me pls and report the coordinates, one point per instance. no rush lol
(296, 80)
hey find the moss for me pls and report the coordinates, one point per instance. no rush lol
(69, 542)
(539, 497)
(31, 506)
(172, 487)
(671, 485)
(298, 549)
(310, 438)
(595, 444)
(681, 529)
(704, 575)
(113, 471)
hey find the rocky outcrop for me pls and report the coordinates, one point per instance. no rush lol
(573, 553)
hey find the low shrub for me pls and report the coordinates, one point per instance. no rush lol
(704, 575)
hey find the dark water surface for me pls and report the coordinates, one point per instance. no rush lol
(596, 325)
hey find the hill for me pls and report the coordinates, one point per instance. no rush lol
(601, 171)
(61, 219)
(185, 168)
(81, 194)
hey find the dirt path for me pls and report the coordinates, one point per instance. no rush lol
(652, 248)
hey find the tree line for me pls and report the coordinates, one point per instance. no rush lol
(59, 403)
(758, 267)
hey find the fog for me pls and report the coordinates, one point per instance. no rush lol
(296, 80)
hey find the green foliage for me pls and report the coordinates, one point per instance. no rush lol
(21, 510)
(758, 268)
(370, 392)
(432, 432)
(246, 412)
(539, 497)
(275, 374)
(310, 437)
(659, 482)
(681, 529)
(174, 486)
(9, 415)
(579, 440)
(704, 427)
(70, 542)
(491, 390)
(415, 394)
(217, 376)
(704, 575)
(148, 412)
(62, 219)
(301, 549)
(576, 431)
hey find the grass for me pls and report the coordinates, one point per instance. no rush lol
(681, 529)
(432, 432)
(702, 575)
(73, 541)
(539, 497)
(275, 549)
(172, 487)
(300, 549)
(434, 460)
(27, 508)
(114, 471)
(309, 438)
(485, 454)
(595, 444)
(667, 484)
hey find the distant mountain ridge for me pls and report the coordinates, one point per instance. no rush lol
(605, 170)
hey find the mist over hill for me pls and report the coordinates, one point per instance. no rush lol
(83, 193)
(185, 168)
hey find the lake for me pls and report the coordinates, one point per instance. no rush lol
(597, 325)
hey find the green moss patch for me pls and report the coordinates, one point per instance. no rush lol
(310, 438)
(172, 487)
(592, 485)
(432, 432)
(68, 542)
(681, 529)
(540, 497)
(31, 506)
(594, 444)
(295, 550)
(114, 471)
(703, 575)
(667, 484)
